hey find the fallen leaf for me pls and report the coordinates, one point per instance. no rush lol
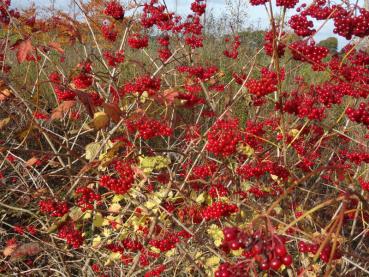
(64, 107)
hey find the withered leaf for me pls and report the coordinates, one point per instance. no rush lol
(25, 250)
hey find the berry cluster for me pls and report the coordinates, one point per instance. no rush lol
(289, 4)
(364, 185)
(269, 40)
(53, 207)
(114, 59)
(268, 251)
(142, 84)
(155, 14)
(258, 169)
(265, 85)
(223, 137)
(165, 244)
(303, 105)
(301, 25)
(218, 190)
(324, 254)
(232, 53)
(114, 9)
(121, 184)
(317, 10)
(218, 210)
(86, 198)
(69, 232)
(138, 41)
(258, 2)
(360, 115)
(198, 7)
(108, 31)
(157, 271)
(348, 25)
(148, 128)
(309, 52)
(200, 72)
(131, 244)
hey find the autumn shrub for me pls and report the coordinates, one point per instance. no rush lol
(132, 147)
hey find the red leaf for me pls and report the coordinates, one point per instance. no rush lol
(56, 46)
(113, 111)
(86, 100)
(24, 48)
(64, 107)
(167, 97)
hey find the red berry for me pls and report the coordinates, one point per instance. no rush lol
(275, 264)
(280, 250)
(287, 260)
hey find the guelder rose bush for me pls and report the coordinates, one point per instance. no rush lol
(128, 152)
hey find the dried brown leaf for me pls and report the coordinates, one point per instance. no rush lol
(24, 250)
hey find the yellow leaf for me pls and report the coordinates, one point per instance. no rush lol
(216, 234)
(245, 150)
(237, 253)
(144, 96)
(114, 208)
(293, 132)
(117, 198)
(212, 262)
(98, 220)
(75, 213)
(106, 232)
(92, 149)
(101, 120)
(201, 198)
(96, 241)
(170, 253)
(246, 186)
(154, 249)
(113, 257)
(87, 215)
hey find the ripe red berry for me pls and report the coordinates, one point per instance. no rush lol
(275, 263)
(280, 250)
(287, 260)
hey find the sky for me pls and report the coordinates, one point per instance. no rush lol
(256, 15)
